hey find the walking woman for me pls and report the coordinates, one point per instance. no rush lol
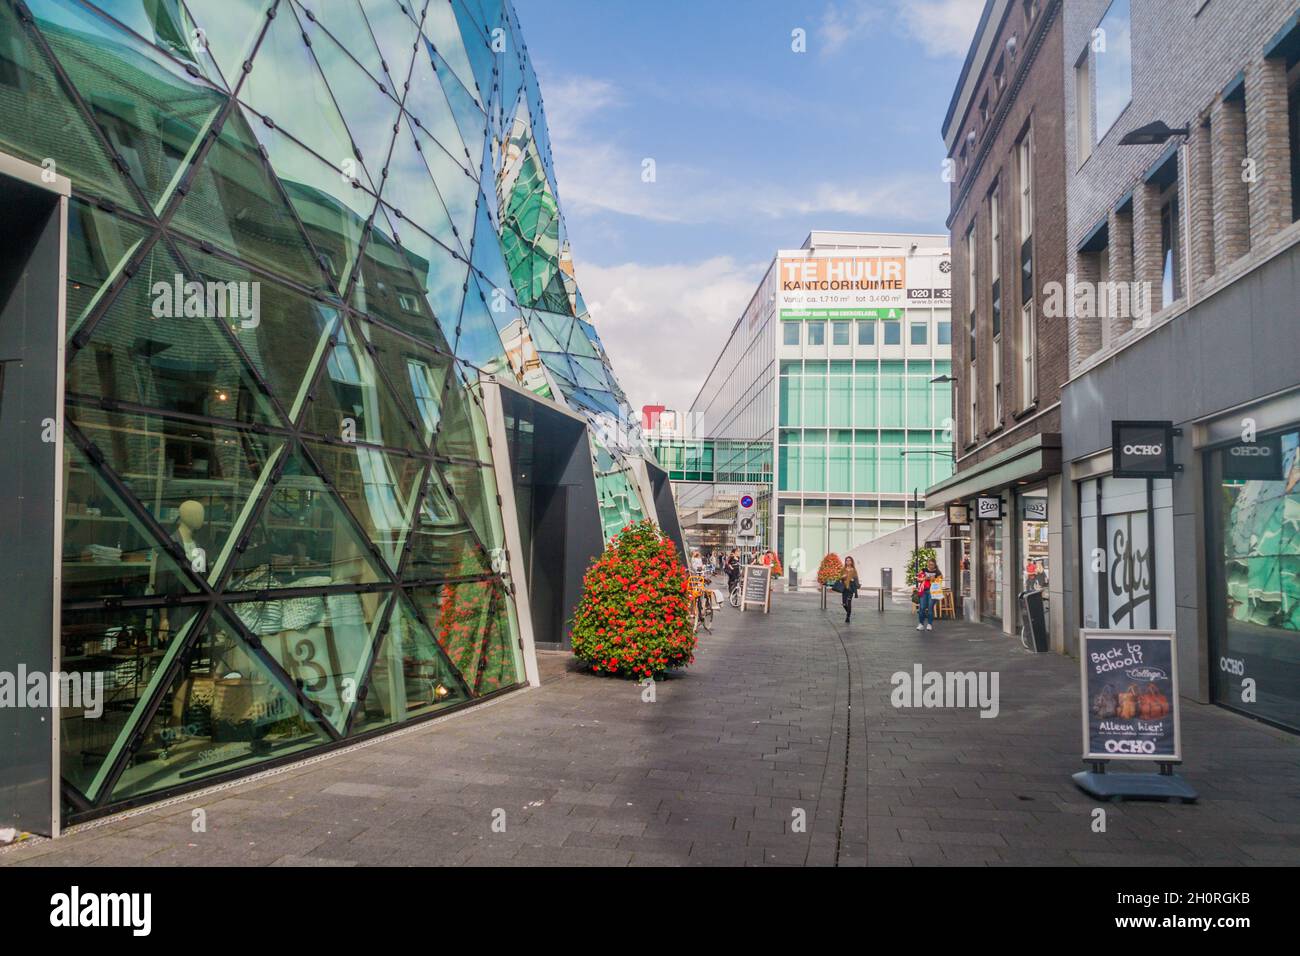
(849, 581)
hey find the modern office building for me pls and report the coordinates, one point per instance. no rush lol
(1199, 208)
(1005, 141)
(304, 416)
(831, 367)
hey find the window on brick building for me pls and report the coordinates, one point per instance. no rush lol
(1171, 246)
(1112, 68)
(1025, 186)
(1083, 107)
(995, 261)
(972, 349)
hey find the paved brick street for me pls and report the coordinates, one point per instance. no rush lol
(713, 771)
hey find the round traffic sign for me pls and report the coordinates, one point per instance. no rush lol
(746, 501)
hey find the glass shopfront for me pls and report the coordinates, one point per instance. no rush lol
(1126, 553)
(1254, 579)
(1033, 560)
(990, 570)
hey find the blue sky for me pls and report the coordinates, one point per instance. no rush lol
(754, 145)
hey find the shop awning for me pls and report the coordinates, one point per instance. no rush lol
(1033, 459)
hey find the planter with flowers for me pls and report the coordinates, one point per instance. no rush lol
(634, 618)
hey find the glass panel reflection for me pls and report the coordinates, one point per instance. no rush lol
(223, 710)
(322, 641)
(115, 658)
(303, 538)
(195, 479)
(410, 675)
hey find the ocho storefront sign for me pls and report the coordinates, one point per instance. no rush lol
(1130, 695)
(1143, 449)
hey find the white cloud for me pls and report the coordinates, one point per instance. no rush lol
(944, 28)
(663, 326)
(600, 175)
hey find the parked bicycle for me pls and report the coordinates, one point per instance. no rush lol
(701, 596)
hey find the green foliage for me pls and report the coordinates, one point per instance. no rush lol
(918, 560)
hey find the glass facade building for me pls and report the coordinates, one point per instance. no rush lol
(831, 368)
(302, 238)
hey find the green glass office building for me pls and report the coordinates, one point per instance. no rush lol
(324, 374)
(831, 369)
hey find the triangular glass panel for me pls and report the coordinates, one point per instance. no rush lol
(479, 341)
(323, 642)
(107, 550)
(116, 659)
(368, 105)
(442, 276)
(287, 336)
(464, 428)
(224, 709)
(303, 538)
(386, 285)
(343, 20)
(443, 32)
(410, 675)
(458, 191)
(395, 33)
(417, 374)
(379, 489)
(42, 123)
(475, 487)
(351, 401)
(472, 28)
(474, 630)
(332, 205)
(229, 28)
(488, 259)
(470, 118)
(196, 479)
(410, 188)
(167, 25)
(543, 338)
(286, 84)
(156, 118)
(427, 102)
(157, 346)
(591, 373)
(442, 542)
(233, 202)
(99, 247)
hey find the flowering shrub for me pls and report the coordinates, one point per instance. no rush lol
(777, 570)
(831, 569)
(634, 616)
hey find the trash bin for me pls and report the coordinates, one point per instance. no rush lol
(1033, 622)
(792, 581)
(887, 578)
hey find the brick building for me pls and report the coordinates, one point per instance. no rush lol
(1192, 226)
(1005, 137)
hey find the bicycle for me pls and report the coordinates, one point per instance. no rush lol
(734, 597)
(701, 603)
